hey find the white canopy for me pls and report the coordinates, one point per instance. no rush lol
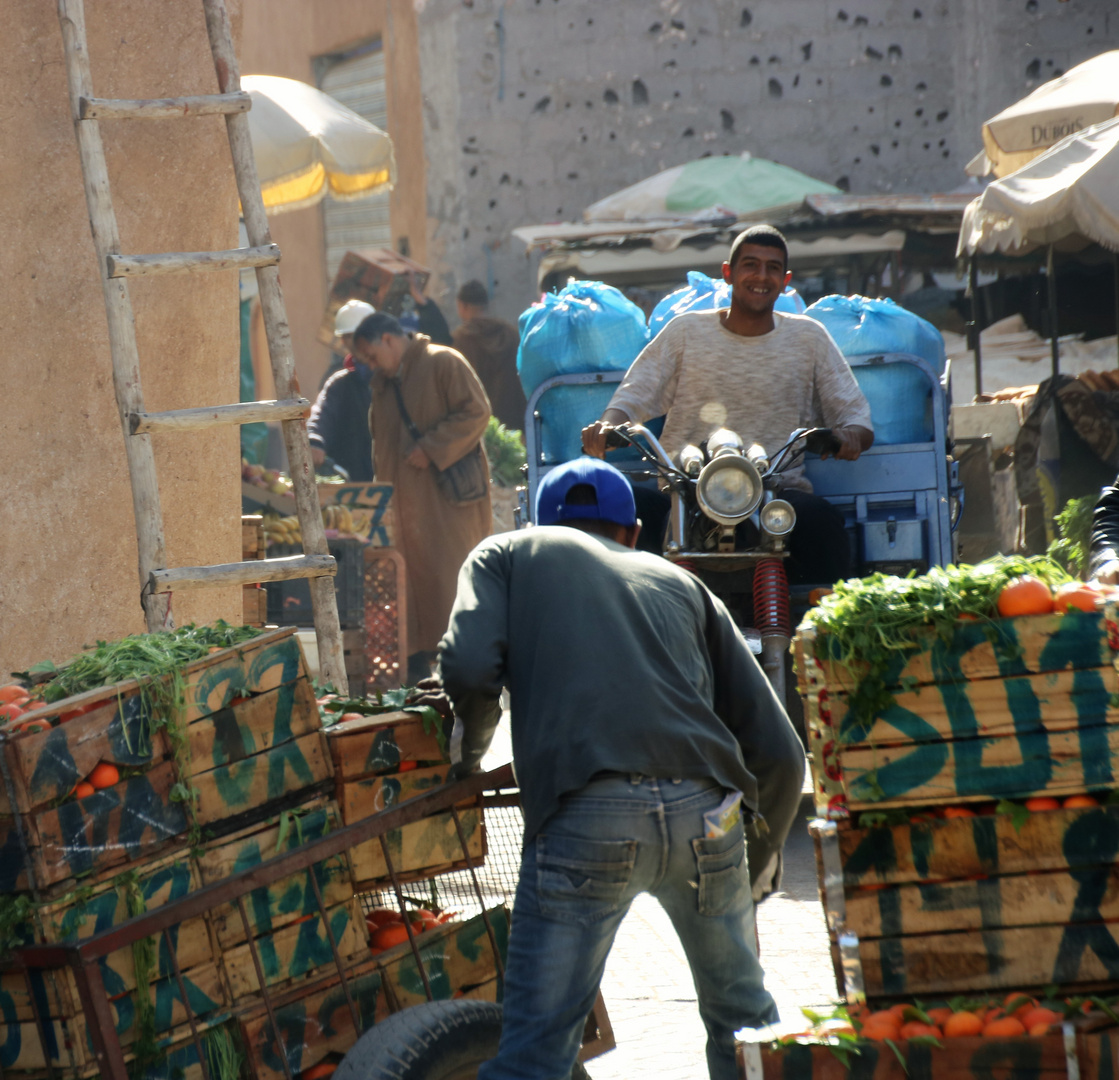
(1071, 190)
(1085, 95)
(306, 144)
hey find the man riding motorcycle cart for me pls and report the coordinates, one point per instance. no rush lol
(757, 372)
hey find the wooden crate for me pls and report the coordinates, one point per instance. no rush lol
(376, 745)
(421, 849)
(457, 957)
(1004, 709)
(1039, 1057)
(975, 905)
(254, 742)
(364, 797)
(201, 944)
(314, 1020)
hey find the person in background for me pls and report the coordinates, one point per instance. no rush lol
(638, 715)
(346, 322)
(339, 425)
(426, 317)
(491, 347)
(760, 373)
(447, 406)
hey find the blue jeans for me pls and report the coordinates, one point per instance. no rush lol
(618, 837)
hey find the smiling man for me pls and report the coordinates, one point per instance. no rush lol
(760, 373)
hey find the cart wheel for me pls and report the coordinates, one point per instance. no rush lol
(439, 1040)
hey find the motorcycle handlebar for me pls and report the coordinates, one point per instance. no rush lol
(822, 441)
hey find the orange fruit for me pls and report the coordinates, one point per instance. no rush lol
(1025, 1004)
(898, 1011)
(961, 1024)
(1037, 1016)
(958, 812)
(351, 716)
(84, 789)
(1041, 1028)
(915, 1028)
(1025, 595)
(389, 935)
(317, 1072)
(12, 692)
(104, 775)
(879, 1032)
(36, 725)
(1005, 1027)
(939, 1016)
(1075, 802)
(884, 1018)
(1075, 594)
(10, 711)
(407, 766)
(382, 916)
(1042, 802)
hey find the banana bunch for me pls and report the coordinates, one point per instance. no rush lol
(338, 517)
(281, 530)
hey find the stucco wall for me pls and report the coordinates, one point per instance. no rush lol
(553, 104)
(68, 571)
(283, 37)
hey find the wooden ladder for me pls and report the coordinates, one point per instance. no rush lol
(156, 579)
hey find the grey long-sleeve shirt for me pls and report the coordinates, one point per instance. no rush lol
(616, 661)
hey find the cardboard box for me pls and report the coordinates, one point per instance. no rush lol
(379, 276)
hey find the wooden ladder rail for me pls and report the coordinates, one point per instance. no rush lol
(157, 580)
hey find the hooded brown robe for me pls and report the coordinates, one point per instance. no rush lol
(447, 403)
(491, 347)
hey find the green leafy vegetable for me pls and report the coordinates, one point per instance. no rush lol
(1074, 530)
(505, 450)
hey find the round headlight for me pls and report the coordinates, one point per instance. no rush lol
(729, 489)
(778, 517)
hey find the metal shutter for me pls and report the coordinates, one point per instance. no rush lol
(358, 81)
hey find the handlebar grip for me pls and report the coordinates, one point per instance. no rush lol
(822, 441)
(615, 439)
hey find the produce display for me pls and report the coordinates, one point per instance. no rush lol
(339, 521)
(964, 728)
(147, 768)
(505, 451)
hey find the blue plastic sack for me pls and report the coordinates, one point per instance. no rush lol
(587, 326)
(899, 395)
(863, 326)
(703, 293)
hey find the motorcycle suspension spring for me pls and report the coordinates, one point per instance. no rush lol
(771, 598)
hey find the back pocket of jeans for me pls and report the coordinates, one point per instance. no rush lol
(724, 874)
(581, 880)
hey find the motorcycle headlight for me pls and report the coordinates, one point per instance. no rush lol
(778, 517)
(729, 489)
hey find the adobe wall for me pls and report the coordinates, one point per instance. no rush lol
(283, 37)
(558, 103)
(67, 537)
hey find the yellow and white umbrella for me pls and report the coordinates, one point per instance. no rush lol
(306, 144)
(1085, 95)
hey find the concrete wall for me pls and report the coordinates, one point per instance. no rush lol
(283, 37)
(67, 537)
(557, 103)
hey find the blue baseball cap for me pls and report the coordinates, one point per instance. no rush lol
(612, 490)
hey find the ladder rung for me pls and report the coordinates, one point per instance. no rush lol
(242, 573)
(248, 412)
(94, 108)
(176, 262)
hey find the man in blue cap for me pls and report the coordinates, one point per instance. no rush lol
(638, 714)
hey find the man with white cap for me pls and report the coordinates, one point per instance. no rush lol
(339, 426)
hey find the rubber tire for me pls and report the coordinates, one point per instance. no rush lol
(439, 1040)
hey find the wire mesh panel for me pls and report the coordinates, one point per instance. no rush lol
(386, 619)
(497, 877)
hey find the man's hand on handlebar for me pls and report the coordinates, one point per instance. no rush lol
(852, 442)
(595, 435)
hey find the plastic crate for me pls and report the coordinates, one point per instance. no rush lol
(289, 602)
